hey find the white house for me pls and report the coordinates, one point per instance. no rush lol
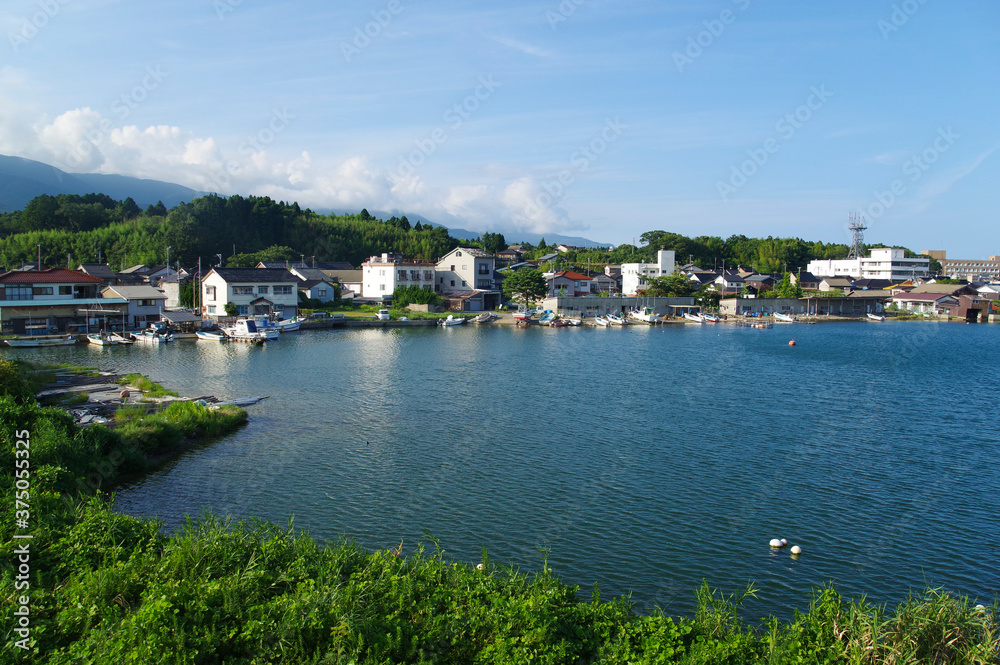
(145, 303)
(468, 269)
(634, 275)
(381, 275)
(884, 263)
(253, 291)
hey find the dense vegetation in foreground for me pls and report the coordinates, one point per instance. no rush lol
(109, 588)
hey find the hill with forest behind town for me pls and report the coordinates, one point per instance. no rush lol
(69, 229)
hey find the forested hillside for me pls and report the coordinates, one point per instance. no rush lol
(74, 229)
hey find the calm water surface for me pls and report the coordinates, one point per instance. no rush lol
(643, 459)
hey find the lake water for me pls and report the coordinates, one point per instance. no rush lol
(643, 459)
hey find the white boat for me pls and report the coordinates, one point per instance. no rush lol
(710, 318)
(602, 322)
(783, 318)
(211, 335)
(43, 340)
(617, 320)
(290, 325)
(101, 339)
(121, 339)
(876, 317)
(485, 317)
(522, 314)
(574, 322)
(245, 330)
(150, 336)
(645, 315)
(451, 321)
(696, 318)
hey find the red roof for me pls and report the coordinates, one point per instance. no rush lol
(569, 274)
(48, 276)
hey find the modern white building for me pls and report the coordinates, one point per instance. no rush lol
(634, 275)
(380, 275)
(253, 291)
(884, 263)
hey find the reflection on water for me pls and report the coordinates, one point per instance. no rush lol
(645, 459)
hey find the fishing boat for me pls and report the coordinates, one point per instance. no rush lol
(573, 322)
(559, 323)
(875, 317)
(485, 317)
(522, 314)
(783, 318)
(150, 336)
(101, 339)
(711, 318)
(42, 340)
(547, 317)
(211, 335)
(245, 330)
(644, 315)
(694, 318)
(290, 325)
(121, 339)
(602, 322)
(451, 321)
(617, 320)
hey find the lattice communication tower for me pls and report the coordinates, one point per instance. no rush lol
(856, 223)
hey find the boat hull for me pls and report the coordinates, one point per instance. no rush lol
(60, 340)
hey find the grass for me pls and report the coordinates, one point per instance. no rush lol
(148, 388)
(154, 433)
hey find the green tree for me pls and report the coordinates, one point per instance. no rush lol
(785, 288)
(673, 286)
(231, 309)
(525, 286)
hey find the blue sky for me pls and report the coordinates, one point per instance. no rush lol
(581, 117)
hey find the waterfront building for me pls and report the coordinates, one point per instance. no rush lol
(145, 303)
(567, 282)
(254, 291)
(318, 289)
(380, 275)
(350, 281)
(635, 275)
(973, 270)
(465, 269)
(884, 263)
(730, 282)
(50, 301)
(934, 304)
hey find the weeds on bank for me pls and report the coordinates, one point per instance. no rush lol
(148, 388)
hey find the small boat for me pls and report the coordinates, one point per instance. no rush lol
(43, 340)
(522, 314)
(645, 315)
(602, 322)
(559, 323)
(121, 339)
(573, 322)
(784, 318)
(451, 321)
(695, 318)
(710, 318)
(245, 330)
(290, 325)
(876, 317)
(150, 336)
(211, 335)
(101, 339)
(548, 316)
(617, 320)
(485, 317)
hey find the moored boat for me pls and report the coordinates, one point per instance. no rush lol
(710, 318)
(121, 339)
(245, 330)
(150, 336)
(875, 317)
(694, 318)
(784, 318)
(602, 322)
(211, 335)
(485, 317)
(644, 315)
(42, 340)
(522, 314)
(101, 339)
(617, 320)
(452, 320)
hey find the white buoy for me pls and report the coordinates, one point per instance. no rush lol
(480, 567)
(783, 542)
(778, 543)
(795, 549)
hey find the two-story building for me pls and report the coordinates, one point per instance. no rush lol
(380, 275)
(468, 269)
(253, 291)
(568, 283)
(51, 301)
(145, 303)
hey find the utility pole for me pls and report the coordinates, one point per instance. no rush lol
(39, 256)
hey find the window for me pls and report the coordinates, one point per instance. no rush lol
(282, 290)
(465, 267)
(483, 284)
(147, 303)
(463, 282)
(457, 254)
(19, 293)
(428, 275)
(453, 282)
(65, 290)
(320, 293)
(262, 290)
(402, 275)
(211, 309)
(243, 310)
(381, 288)
(453, 268)
(210, 292)
(242, 290)
(42, 291)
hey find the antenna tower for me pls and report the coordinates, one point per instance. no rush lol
(856, 223)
